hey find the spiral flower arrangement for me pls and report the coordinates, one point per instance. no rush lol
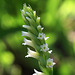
(37, 41)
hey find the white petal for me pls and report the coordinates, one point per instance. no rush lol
(28, 19)
(50, 51)
(28, 7)
(27, 13)
(46, 45)
(39, 27)
(34, 12)
(50, 66)
(28, 42)
(22, 11)
(42, 28)
(46, 38)
(38, 73)
(35, 70)
(23, 43)
(50, 60)
(26, 26)
(54, 63)
(25, 34)
(27, 56)
(38, 18)
(41, 36)
(32, 54)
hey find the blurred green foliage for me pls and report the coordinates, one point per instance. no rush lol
(58, 19)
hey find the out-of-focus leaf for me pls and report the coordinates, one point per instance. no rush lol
(7, 58)
(67, 9)
(15, 70)
(67, 67)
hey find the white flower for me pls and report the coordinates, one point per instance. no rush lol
(41, 36)
(28, 42)
(32, 54)
(38, 73)
(44, 47)
(50, 63)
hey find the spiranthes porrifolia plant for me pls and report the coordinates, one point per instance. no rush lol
(37, 41)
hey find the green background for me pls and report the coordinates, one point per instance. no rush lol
(58, 20)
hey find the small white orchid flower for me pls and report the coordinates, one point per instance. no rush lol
(38, 73)
(50, 63)
(28, 42)
(32, 53)
(41, 36)
(44, 47)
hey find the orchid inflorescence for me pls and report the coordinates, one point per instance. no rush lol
(37, 41)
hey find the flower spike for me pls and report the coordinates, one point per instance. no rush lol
(36, 39)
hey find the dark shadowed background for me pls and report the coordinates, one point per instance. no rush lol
(58, 20)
